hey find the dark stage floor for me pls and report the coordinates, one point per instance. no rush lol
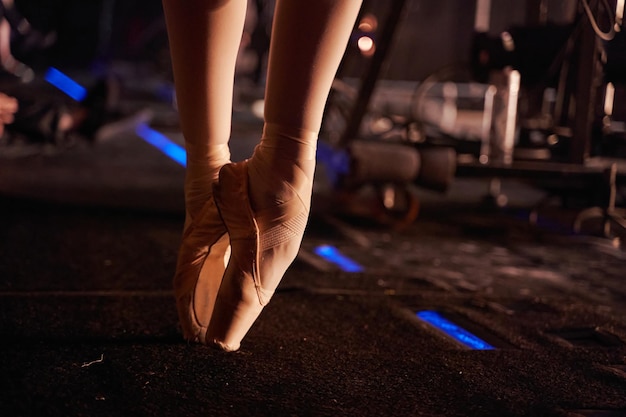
(88, 242)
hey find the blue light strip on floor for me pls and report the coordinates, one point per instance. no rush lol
(65, 84)
(332, 254)
(456, 332)
(163, 143)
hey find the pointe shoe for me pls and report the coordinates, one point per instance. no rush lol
(257, 262)
(202, 260)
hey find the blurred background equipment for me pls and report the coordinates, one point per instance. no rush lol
(53, 108)
(536, 99)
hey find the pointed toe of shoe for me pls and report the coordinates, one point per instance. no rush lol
(202, 260)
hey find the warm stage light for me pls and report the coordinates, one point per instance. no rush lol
(366, 45)
(258, 108)
(609, 99)
(368, 23)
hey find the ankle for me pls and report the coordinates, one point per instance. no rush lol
(203, 167)
(275, 181)
(283, 154)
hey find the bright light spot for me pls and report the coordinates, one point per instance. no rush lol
(366, 45)
(257, 108)
(389, 198)
(65, 84)
(163, 143)
(507, 41)
(609, 99)
(456, 332)
(381, 125)
(332, 254)
(553, 140)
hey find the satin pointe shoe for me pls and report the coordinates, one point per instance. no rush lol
(202, 260)
(263, 245)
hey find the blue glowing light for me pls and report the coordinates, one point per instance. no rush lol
(332, 254)
(456, 332)
(337, 162)
(163, 143)
(65, 84)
